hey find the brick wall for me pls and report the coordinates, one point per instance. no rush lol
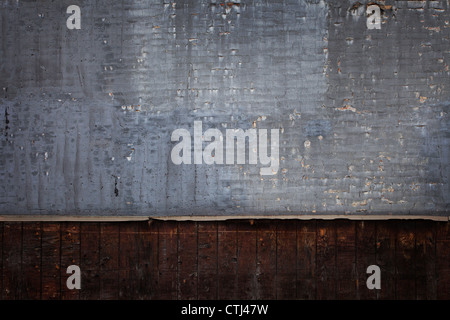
(89, 113)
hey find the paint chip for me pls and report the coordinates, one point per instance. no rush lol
(307, 144)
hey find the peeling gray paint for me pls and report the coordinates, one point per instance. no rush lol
(87, 114)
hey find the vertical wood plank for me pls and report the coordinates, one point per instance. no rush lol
(227, 255)
(51, 261)
(147, 263)
(286, 259)
(128, 261)
(443, 261)
(109, 261)
(405, 261)
(12, 261)
(385, 256)
(207, 260)
(266, 268)
(31, 261)
(246, 260)
(366, 243)
(306, 260)
(326, 260)
(187, 260)
(90, 261)
(167, 260)
(70, 255)
(425, 260)
(345, 260)
(1, 260)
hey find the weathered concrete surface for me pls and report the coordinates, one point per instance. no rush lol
(88, 114)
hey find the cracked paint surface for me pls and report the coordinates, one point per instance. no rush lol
(88, 113)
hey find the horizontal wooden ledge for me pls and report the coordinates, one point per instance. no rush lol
(69, 218)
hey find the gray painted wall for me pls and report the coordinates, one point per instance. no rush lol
(87, 115)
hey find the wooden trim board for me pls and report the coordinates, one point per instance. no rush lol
(58, 218)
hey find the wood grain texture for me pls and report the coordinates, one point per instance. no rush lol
(128, 261)
(51, 261)
(286, 274)
(246, 261)
(346, 286)
(70, 255)
(109, 261)
(90, 260)
(146, 266)
(187, 261)
(366, 250)
(207, 255)
(385, 259)
(227, 256)
(266, 265)
(1, 260)
(425, 260)
(31, 260)
(12, 261)
(263, 259)
(443, 261)
(167, 286)
(326, 260)
(405, 261)
(306, 260)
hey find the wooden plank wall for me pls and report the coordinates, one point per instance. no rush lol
(261, 259)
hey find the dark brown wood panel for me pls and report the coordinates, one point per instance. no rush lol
(12, 261)
(346, 286)
(227, 261)
(90, 260)
(167, 285)
(109, 261)
(385, 258)
(146, 265)
(1, 260)
(187, 261)
(128, 261)
(326, 260)
(70, 255)
(405, 261)
(241, 259)
(286, 273)
(366, 251)
(246, 260)
(425, 260)
(31, 260)
(443, 261)
(306, 260)
(51, 261)
(266, 264)
(207, 252)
